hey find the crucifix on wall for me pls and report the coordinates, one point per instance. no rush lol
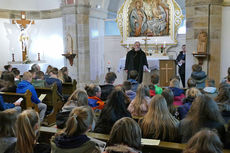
(23, 25)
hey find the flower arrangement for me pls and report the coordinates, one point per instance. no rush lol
(27, 61)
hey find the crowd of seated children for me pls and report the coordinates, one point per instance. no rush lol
(94, 94)
(7, 128)
(139, 105)
(25, 85)
(204, 141)
(210, 88)
(5, 105)
(169, 97)
(27, 132)
(9, 78)
(159, 123)
(65, 73)
(108, 87)
(73, 138)
(17, 78)
(191, 83)
(204, 113)
(199, 76)
(77, 99)
(114, 109)
(154, 89)
(223, 100)
(53, 78)
(127, 86)
(177, 92)
(133, 76)
(40, 80)
(191, 94)
(125, 137)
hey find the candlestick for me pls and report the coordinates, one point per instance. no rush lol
(13, 57)
(38, 56)
(164, 44)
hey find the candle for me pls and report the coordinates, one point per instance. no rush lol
(127, 45)
(164, 44)
(156, 41)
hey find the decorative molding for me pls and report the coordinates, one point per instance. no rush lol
(226, 3)
(44, 14)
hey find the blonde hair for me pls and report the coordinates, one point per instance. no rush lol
(174, 83)
(7, 126)
(79, 98)
(142, 91)
(125, 131)
(27, 76)
(159, 121)
(80, 120)
(26, 135)
(193, 92)
(61, 76)
(204, 141)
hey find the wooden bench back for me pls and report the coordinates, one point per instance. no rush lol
(69, 87)
(147, 146)
(51, 94)
(11, 97)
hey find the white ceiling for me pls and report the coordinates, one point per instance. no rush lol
(29, 4)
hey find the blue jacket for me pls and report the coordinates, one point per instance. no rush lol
(50, 81)
(177, 91)
(4, 106)
(25, 85)
(134, 84)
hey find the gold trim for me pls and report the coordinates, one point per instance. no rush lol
(175, 20)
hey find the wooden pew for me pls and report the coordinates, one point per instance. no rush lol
(147, 144)
(69, 87)
(11, 97)
(53, 102)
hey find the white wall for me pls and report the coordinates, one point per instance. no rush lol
(29, 4)
(45, 37)
(225, 45)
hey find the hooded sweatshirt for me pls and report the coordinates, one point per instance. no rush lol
(199, 77)
(25, 85)
(73, 144)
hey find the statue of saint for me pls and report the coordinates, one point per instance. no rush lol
(202, 42)
(138, 20)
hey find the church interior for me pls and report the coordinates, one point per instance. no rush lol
(185, 83)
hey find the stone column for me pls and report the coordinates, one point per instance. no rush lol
(204, 15)
(76, 23)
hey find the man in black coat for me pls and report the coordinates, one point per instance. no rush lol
(136, 60)
(180, 60)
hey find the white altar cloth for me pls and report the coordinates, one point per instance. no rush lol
(26, 67)
(153, 62)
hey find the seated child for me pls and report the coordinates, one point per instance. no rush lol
(177, 92)
(40, 80)
(127, 86)
(210, 88)
(4, 105)
(16, 73)
(133, 75)
(191, 83)
(199, 76)
(154, 89)
(94, 94)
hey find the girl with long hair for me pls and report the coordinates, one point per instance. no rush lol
(125, 137)
(139, 105)
(66, 76)
(7, 128)
(73, 138)
(27, 131)
(159, 123)
(168, 95)
(204, 141)
(77, 99)
(204, 113)
(115, 109)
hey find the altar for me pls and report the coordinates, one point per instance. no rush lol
(26, 67)
(163, 66)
